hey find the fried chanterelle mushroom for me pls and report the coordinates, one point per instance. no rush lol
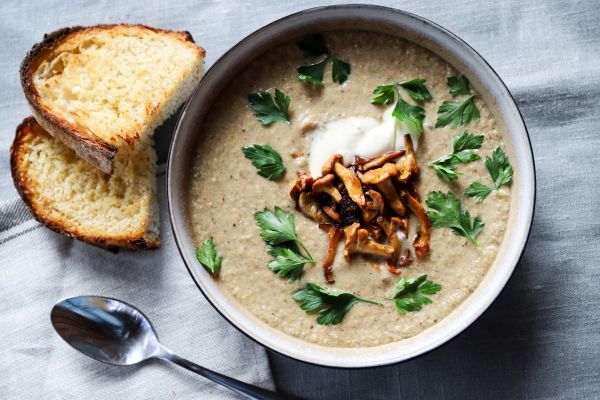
(369, 203)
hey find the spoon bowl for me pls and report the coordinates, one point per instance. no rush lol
(105, 329)
(117, 333)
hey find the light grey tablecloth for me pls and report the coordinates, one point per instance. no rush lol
(541, 339)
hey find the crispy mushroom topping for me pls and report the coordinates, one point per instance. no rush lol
(403, 225)
(331, 161)
(392, 267)
(373, 205)
(381, 177)
(407, 165)
(349, 210)
(412, 189)
(357, 241)
(325, 185)
(421, 240)
(309, 206)
(390, 228)
(374, 232)
(351, 183)
(334, 215)
(369, 207)
(303, 183)
(405, 259)
(365, 164)
(334, 235)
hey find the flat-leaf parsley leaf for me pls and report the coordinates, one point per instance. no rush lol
(499, 168)
(410, 117)
(455, 114)
(446, 212)
(313, 73)
(416, 89)
(330, 304)
(288, 262)
(339, 70)
(267, 161)
(279, 232)
(500, 171)
(207, 255)
(410, 294)
(268, 110)
(462, 153)
(458, 85)
(479, 191)
(314, 47)
(276, 226)
(384, 94)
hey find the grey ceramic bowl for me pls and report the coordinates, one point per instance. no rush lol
(409, 27)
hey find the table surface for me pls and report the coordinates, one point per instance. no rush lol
(541, 338)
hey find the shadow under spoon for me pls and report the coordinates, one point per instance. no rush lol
(117, 333)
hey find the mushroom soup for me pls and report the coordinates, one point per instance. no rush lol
(377, 168)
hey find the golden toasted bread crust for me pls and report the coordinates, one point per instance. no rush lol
(89, 147)
(25, 132)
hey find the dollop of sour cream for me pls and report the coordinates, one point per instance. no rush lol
(354, 136)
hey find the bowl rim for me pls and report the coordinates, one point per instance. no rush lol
(351, 7)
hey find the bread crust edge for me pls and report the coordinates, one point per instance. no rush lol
(88, 147)
(137, 241)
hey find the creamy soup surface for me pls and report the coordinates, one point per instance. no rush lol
(226, 191)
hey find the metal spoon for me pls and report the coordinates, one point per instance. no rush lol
(116, 333)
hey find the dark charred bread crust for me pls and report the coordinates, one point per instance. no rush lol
(25, 131)
(87, 146)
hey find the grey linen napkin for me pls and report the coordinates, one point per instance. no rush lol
(41, 267)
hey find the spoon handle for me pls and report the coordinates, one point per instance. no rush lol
(249, 391)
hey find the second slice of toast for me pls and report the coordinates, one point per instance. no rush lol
(74, 198)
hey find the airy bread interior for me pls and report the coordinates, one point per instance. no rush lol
(73, 197)
(100, 88)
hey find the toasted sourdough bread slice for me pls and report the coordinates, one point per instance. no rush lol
(74, 198)
(99, 89)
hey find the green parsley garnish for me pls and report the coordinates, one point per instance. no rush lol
(411, 293)
(330, 304)
(455, 114)
(446, 212)
(314, 47)
(267, 161)
(500, 171)
(339, 70)
(410, 117)
(458, 85)
(207, 255)
(313, 73)
(499, 168)
(462, 153)
(384, 94)
(288, 262)
(277, 227)
(267, 110)
(478, 191)
(416, 89)
(278, 231)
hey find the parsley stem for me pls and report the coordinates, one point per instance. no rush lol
(305, 250)
(472, 239)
